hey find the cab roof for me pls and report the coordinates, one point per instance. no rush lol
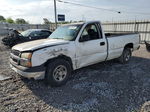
(81, 23)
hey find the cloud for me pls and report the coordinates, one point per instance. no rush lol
(32, 11)
(35, 10)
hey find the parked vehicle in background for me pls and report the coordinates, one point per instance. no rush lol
(68, 48)
(15, 37)
(147, 46)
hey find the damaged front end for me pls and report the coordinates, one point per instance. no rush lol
(12, 39)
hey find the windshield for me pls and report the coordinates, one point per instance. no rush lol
(26, 33)
(66, 32)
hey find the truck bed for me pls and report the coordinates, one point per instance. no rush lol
(118, 42)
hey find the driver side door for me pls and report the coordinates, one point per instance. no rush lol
(91, 46)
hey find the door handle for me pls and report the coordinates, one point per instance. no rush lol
(102, 43)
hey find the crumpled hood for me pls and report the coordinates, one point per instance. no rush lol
(37, 44)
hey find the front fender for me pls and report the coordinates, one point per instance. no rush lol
(40, 57)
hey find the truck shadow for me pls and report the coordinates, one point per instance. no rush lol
(107, 86)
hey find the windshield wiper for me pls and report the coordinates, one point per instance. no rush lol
(57, 38)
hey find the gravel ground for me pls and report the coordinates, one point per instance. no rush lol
(104, 87)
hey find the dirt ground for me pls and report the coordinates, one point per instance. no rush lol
(104, 87)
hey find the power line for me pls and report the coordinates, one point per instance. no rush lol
(78, 4)
(139, 13)
(67, 2)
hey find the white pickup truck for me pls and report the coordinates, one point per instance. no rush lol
(68, 48)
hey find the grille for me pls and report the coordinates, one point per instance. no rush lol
(15, 52)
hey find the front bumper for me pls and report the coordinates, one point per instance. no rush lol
(33, 72)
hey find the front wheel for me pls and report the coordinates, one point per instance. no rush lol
(126, 55)
(57, 72)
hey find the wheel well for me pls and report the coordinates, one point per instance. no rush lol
(68, 59)
(129, 45)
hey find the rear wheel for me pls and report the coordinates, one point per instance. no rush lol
(126, 55)
(57, 72)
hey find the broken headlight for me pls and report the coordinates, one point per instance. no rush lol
(26, 55)
(26, 59)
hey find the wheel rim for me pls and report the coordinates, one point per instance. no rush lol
(60, 73)
(127, 56)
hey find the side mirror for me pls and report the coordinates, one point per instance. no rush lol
(84, 38)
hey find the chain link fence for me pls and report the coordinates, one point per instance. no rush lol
(5, 27)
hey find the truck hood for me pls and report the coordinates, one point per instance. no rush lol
(38, 44)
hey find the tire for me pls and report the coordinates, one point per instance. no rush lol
(126, 55)
(57, 72)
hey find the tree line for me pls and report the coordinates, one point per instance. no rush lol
(46, 21)
(23, 21)
(11, 21)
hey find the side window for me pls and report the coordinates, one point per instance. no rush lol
(90, 33)
(40, 34)
(35, 33)
(44, 33)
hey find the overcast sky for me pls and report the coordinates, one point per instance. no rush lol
(35, 10)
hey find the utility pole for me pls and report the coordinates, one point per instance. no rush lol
(55, 11)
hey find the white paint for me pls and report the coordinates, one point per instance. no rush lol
(117, 44)
(32, 45)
